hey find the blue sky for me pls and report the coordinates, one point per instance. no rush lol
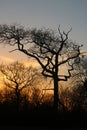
(46, 13)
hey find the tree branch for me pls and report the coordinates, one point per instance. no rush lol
(72, 57)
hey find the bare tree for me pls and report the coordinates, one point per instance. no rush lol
(39, 90)
(79, 82)
(50, 49)
(17, 77)
(79, 75)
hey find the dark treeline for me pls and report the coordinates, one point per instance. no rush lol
(25, 98)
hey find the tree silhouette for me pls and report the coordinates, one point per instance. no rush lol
(79, 75)
(17, 77)
(79, 82)
(50, 49)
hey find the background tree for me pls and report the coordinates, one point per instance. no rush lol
(79, 75)
(79, 82)
(17, 77)
(50, 49)
(38, 91)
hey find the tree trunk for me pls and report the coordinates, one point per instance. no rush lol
(55, 78)
(17, 102)
(56, 97)
(17, 93)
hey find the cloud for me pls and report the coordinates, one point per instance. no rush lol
(29, 62)
(4, 59)
(8, 60)
(83, 52)
(32, 63)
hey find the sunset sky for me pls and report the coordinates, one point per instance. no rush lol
(44, 13)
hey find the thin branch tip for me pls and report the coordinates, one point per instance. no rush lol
(13, 50)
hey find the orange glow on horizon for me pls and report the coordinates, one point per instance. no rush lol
(6, 60)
